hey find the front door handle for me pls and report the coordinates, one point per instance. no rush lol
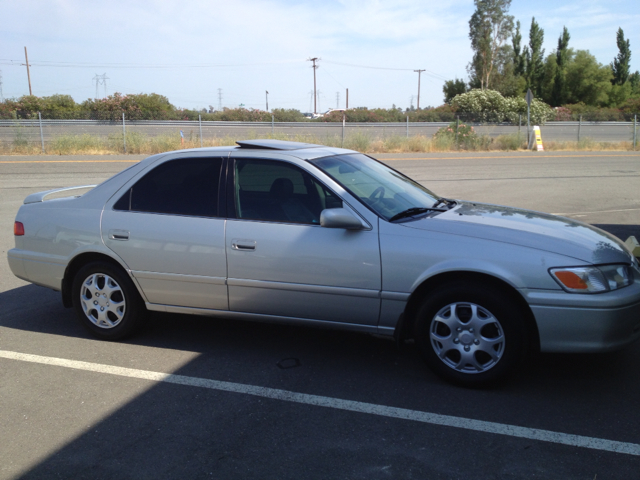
(243, 245)
(119, 234)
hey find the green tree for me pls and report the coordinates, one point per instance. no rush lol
(489, 28)
(634, 82)
(452, 88)
(534, 55)
(519, 57)
(588, 81)
(505, 79)
(563, 56)
(620, 65)
(549, 76)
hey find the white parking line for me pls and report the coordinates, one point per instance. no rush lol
(336, 403)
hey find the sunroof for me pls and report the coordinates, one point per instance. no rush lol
(275, 144)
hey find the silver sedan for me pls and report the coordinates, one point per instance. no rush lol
(299, 233)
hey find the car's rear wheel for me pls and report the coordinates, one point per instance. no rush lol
(471, 334)
(106, 301)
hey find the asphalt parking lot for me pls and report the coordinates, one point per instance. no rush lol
(193, 397)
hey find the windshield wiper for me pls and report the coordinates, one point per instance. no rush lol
(410, 212)
(446, 201)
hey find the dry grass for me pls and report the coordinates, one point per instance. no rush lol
(589, 145)
(138, 143)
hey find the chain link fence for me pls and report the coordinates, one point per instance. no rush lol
(43, 133)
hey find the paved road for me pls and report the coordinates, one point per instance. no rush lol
(352, 406)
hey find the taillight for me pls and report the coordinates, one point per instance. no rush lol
(18, 229)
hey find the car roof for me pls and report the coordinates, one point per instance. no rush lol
(304, 151)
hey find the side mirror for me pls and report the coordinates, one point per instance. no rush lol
(340, 218)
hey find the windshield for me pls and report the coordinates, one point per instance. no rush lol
(381, 188)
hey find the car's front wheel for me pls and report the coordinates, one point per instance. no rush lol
(106, 301)
(471, 334)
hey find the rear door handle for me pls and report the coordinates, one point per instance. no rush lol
(243, 245)
(119, 235)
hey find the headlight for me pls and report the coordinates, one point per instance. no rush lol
(603, 278)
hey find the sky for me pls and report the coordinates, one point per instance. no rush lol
(201, 53)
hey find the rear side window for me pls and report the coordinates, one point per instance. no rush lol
(178, 187)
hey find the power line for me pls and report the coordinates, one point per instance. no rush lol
(432, 74)
(56, 64)
(60, 64)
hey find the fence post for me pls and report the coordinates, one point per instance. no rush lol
(200, 122)
(635, 131)
(41, 135)
(519, 125)
(124, 135)
(579, 127)
(407, 126)
(272, 125)
(344, 117)
(457, 124)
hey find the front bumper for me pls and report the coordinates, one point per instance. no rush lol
(586, 323)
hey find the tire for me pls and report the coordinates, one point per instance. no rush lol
(107, 302)
(470, 334)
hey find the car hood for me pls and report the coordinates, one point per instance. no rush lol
(527, 228)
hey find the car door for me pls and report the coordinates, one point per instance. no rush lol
(166, 227)
(282, 262)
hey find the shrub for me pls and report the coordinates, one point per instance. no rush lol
(490, 106)
(466, 137)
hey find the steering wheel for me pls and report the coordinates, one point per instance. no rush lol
(377, 195)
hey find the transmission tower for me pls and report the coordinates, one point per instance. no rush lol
(337, 100)
(101, 79)
(220, 99)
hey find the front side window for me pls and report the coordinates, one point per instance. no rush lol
(279, 192)
(381, 188)
(178, 187)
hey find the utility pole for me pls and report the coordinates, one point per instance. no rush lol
(315, 67)
(337, 100)
(28, 74)
(419, 73)
(347, 105)
(267, 96)
(220, 99)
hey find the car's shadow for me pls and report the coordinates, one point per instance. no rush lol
(197, 430)
(621, 231)
(246, 346)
